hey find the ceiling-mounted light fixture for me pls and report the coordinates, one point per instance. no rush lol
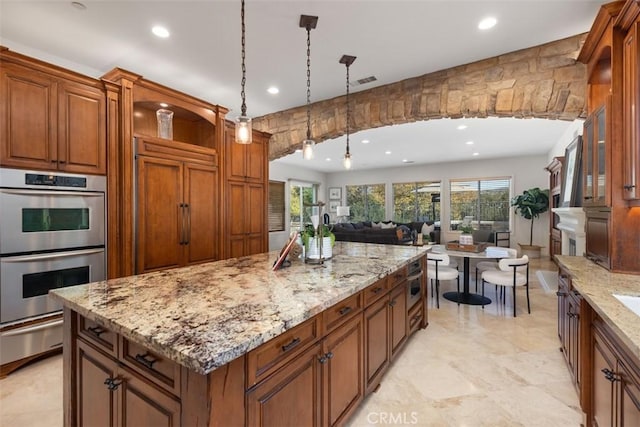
(347, 61)
(308, 22)
(243, 122)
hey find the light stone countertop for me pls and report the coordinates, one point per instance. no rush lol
(597, 286)
(206, 315)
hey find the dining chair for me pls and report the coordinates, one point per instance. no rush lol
(512, 272)
(438, 268)
(483, 266)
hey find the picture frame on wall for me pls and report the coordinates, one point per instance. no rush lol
(333, 205)
(335, 193)
(571, 192)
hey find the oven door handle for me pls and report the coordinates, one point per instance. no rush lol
(38, 257)
(51, 193)
(27, 330)
(414, 277)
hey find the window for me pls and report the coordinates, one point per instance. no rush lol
(483, 202)
(276, 206)
(416, 201)
(301, 193)
(366, 202)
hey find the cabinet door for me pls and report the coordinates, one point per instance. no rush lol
(603, 389)
(145, 405)
(161, 214)
(255, 210)
(291, 396)
(29, 119)
(629, 408)
(201, 199)
(236, 228)
(82, 129)
(630, 114)
(563, 319)
(587, 161)
(343, 371)
(96, 405)
(398, 317)
(255, 154)
(376, 331)
(600, 160)
(236, 156)
(573, 341)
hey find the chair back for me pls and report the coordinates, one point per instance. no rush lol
(437, 259)
(521, 264)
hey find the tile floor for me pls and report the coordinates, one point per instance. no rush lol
(470, 367)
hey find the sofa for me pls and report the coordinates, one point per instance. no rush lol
(385, 232)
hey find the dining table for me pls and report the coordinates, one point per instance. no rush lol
(465, 297)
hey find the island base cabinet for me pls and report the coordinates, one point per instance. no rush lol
(376, 353)
(398, 317)
(111, 395)
(291, 396)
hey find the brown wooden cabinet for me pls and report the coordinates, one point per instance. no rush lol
(555, 190)
(245, 200)
(596, 158)
(616, 385)
(398, 318)
(177, 206)
(376, 347)
(52, 119)
(110, 394)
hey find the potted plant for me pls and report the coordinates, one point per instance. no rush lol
(311, 244)
(466, 238)
(530, 204)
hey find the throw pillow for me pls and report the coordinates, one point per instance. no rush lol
(376, 225)
(347, 226)
(388, 225)
(399, 233)
(427, 229)
(358, 225)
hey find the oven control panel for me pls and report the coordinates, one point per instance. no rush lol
(55, 180)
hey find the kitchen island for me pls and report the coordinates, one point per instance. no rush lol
(234, 343)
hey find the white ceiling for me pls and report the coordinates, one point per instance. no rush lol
(392, 39)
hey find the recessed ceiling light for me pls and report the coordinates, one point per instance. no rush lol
(328, 159)
(160, 31)
(476, 154)
(365, 141)
(462, 127)
(273, 90)
(469, 142)
(78, 5)
(164, 104)
(387, 152)
(487, 23)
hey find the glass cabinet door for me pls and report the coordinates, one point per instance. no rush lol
(588, 161)
(601, 156)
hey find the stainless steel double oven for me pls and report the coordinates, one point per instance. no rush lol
(52, 235)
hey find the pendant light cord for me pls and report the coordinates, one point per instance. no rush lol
(348, 109)
(308, 82)
(244, 69)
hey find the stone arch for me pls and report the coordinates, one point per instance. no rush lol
(544, 81)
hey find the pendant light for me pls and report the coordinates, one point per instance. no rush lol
(243, 122)
(347, 60)
(309, 23)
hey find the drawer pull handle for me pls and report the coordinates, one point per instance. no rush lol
(145, 360)
(345, 310)
(561, 294)
(629, 187)
(322, 359)
(97, 331)
(376, 290)
(112, 383)
(610, 375)
(291, 345)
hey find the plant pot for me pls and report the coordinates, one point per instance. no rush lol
(313, 250)
(532, 251)
(466, 239)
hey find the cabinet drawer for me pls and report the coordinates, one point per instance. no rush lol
(344, 310)
(103, 338)
(397, 276)
(152, 366)
(266, 359)
(415, 318)
(375, 291)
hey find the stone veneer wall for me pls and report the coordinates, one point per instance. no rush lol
(543, 81)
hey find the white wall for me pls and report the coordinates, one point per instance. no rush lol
(286, 174)
(525, 172)
(567, 137)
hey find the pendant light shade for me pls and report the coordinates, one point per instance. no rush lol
(308, 22)
(244, 134)
(347, 60)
